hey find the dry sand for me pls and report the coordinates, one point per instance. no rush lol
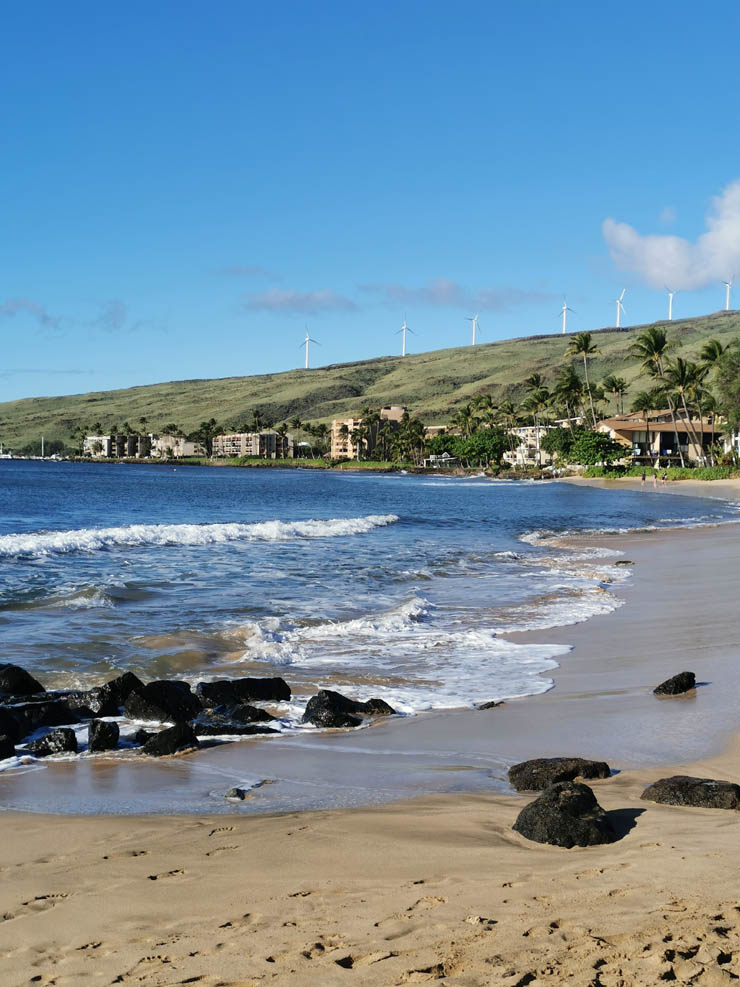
(440, 888)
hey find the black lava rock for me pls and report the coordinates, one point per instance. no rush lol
(331, 709)
(102, 736)
(104, 700)
(704, 793)
(676, 685)
(566, 814)
(57, 742)
(16, 681)
(163, 701)
(212, 723)
(244, 713)
(491, 704)
(170, 741)
(229, 692)
(541, 772)
(236, 793)
(142, 736)
(43, 713)
(7, 746)
(9, 725)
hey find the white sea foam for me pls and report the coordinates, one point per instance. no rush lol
(37, 544)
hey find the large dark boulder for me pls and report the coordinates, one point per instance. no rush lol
(102, 735)
(171, 741)
(43, 713)
(213, 723)
(565, 814)
(677, 685)
(245, 713)
(16, 681)
(702, 792)
(331, 709)
(162, 701)
(228, 692)
(541, 772)
(57, 742)
(104, 700)
(7, 746)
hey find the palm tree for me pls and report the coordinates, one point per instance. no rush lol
(711, 351)
(643, 404)
(616, 386)
(536, 404)
(581, 345)
(684, 377)
(568, 392)
(652, 347)
(507, 417)
(465, 420)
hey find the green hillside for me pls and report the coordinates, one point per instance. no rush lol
(431, 385)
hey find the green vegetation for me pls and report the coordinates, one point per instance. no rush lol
(435, 386)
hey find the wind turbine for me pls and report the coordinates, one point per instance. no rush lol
(404, 329)
(620, 307)
(306, 341)
(670, 301)
(474, 320)
(728, 286)
(564, 312)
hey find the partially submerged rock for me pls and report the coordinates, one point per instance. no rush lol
(705, 793)
(61, 741)
(676, 685)
(171, 741)
(104, 700)
(42, 713)
(331, 709)
(237, 793)
(163, 701)
(16, 681)
(491, 704)
(565, 814)
(9, 725)
(230, 692)
(624, 562)
(541, 772)
(102, 735)
(213, 723)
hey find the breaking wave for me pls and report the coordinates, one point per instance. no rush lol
(43, 543)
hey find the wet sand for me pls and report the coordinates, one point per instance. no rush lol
(436, 888)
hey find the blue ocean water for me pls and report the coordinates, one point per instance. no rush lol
(391, 585)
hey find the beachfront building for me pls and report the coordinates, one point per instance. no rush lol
(120, 445)
(527, 451)
(344, 446)
(267, 444)
(167, 446)
(657, 441)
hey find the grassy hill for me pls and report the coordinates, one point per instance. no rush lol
(431, 385)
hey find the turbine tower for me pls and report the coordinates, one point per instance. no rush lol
(728, 288)
(474, 320)
(306, 341)
(620, 307)
(670, 302)
(564, 312)
(403, 330)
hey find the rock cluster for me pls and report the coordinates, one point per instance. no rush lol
(218, 708)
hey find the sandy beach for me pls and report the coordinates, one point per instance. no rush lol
(437, 888)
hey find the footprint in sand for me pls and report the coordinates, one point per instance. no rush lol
(367, 959)
(169, 873)
(221, 829)
(40, 903)
(221, 849)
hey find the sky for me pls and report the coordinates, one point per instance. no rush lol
(186, 186)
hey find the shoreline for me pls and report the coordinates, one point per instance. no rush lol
(436, 887)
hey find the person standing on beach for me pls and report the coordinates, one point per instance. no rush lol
(663, 478)
(655, 480)
(642, 479)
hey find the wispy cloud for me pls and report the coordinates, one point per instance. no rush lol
(249, 271)
(112, 317)
(660, 259)
(18, 306)
(22, 371)
(445, 293)
(304, 302)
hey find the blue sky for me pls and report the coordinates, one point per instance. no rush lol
(187, 185)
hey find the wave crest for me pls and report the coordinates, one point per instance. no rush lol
(36, 544)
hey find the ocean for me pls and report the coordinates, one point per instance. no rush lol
(398, 586)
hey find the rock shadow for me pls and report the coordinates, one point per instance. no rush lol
(623, 821)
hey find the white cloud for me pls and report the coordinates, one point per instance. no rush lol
(305, 302)
(444, 293)
(662, 260)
